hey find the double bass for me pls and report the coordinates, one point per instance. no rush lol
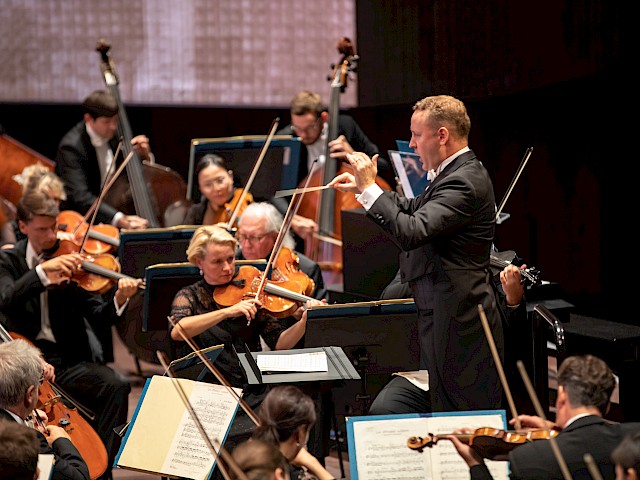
(325, 206)
(151, 191)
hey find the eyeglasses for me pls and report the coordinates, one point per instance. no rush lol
(251, 239)
(42, 378)
(308, 128)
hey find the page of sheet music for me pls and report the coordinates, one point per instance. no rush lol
(299, 362)
(45, 464)
(382, 452)
(189, 456)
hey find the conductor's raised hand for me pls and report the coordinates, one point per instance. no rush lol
(365, 170)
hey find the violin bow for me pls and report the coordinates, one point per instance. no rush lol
(536, 404)
(496, 359)
(221, 451)
(523, 163)
(209, 364)
(254, 171)
(105, 188)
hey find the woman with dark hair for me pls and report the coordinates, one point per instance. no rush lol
(286, 417)
(220, 193)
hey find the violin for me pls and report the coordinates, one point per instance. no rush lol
(499, 260)
(97, 272)
(279, 298)
(287, 267)
(490, 443)
(238, 202)
(101, 238)
(54, 404)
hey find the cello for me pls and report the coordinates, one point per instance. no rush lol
(325, 248)
(149, 190)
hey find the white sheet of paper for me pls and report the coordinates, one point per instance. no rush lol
(300, 362)
(45, 464)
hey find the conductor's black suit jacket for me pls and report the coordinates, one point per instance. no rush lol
(446, 235)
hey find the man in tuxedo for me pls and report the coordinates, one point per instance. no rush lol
(309, 122)
(85, 159)
(258, 229)
(585, 385)
(21, 373)
(446, 235)
(39, 302)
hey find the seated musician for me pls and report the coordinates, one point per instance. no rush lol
(220, 194)
(198, 316)
(626, 457)
(21, 372)
(585, 385)
(86, 155)
(258, 229)
(57, 319)
(408, 392)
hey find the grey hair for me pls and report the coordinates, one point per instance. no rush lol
(273, 218)
(20, 368)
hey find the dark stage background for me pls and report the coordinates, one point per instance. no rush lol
(553, 75)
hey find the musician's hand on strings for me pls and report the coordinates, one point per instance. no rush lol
(511, 281)
(303, 226)
(132, 222)
(468, 454)
(54, 432)
(141, 145)
(340, 147)
(127, 288)
(48, 370)
(302, 309)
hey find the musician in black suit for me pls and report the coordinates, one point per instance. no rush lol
(585, 385)
(446, 234)
(309, 122)
(61, 332)
(21, 373)
(85, 157)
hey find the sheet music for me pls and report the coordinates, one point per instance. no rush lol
(382, 453)
(189, 456)
(300, 362)
(45, 464)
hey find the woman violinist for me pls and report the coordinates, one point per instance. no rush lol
(220, 195)
(55, 319)
(213, 250)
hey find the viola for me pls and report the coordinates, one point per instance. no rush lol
(97, 273)
(279, 298)
(490, 443)
(101, 238)
(55, 405)
(499, 260)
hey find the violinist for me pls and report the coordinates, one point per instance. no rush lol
(585, 385)
(213, 249)
(220, 194)
(86, 155)
(309, 122)
(40, 303)
(258, 229)
(21, 374)
(626, 457)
